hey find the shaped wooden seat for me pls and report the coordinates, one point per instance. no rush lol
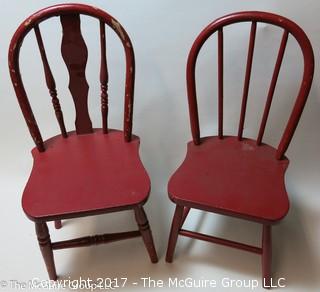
(87, 171)
(85, 174)
(236, 176)
(232, 177)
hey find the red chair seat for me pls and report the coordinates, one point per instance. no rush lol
(83, 174)
(232, 177)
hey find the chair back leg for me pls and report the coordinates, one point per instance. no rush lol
(57, 224)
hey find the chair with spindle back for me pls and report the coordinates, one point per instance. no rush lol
(87, 171)
(234, 175)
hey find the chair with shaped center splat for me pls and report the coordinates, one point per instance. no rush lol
(234, 175)
(87, 171)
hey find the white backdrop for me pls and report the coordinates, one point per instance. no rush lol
(162, 33)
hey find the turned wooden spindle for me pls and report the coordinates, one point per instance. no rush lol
(104, 78)
(50, 82)
(94, 240)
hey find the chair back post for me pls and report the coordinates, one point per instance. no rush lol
(69, 14)
(301, 99)
(289, 28)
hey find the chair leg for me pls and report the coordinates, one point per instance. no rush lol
(266, 255)
(175, 227)
(45, 247)
(57, 224)
(145, 231)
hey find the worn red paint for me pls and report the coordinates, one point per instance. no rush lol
(95, 172)
(69, 9)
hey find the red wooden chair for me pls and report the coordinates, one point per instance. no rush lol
(233, 175)
(89, 171)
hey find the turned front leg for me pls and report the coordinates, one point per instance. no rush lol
(145, 231)
(45, 247)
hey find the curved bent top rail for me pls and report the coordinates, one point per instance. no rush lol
(254, 17)
(72, 10)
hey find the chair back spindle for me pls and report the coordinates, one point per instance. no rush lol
(289, 28)
(220, 83)
(247, 79)
(104, 78)
(50, 82)
(75, 54)
(272, 86)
